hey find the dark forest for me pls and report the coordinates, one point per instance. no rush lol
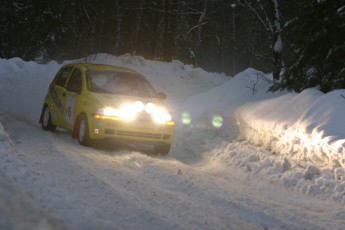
(301, 42)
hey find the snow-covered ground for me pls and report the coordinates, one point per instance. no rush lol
(242, 157)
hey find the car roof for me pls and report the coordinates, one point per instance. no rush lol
(92, 66)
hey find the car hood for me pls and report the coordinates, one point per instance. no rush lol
(117, 101)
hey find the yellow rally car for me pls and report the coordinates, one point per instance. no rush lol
(97, 102)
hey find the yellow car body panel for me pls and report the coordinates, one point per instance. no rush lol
(68, 99)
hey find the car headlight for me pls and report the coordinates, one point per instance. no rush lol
(112, 112)
(138, 106)
(130, 111)
(161, 116)
(125, 112)
(150, 108)
(108, 112)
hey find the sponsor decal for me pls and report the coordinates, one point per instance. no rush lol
(56, 99)
(70, 109)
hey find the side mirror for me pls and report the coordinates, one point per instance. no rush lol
(162, 95)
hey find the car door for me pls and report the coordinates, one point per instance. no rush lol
(73, 91)
(58, 93)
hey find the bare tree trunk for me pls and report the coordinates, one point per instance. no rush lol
(155, 35)
(139, 17)
(168, 31)
(221, 39)
(118, 26)
(277, 41)
(233, 6)
(8, 28)
(274, 33)
(166, 49)
(199, 37)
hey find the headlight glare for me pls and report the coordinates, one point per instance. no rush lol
(108, 111)
(138, 106)
(161, 116)
(150, 108)
(128, 112)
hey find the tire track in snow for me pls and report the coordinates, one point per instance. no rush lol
(90, 188)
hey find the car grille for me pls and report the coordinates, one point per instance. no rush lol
(139, 134)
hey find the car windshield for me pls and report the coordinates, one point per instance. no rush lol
(119, 82)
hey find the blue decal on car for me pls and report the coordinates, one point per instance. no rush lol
(56, 99)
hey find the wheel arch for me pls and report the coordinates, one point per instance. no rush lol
(46, 122)
(42, 111)
(77, 124)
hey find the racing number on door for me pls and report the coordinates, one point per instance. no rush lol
(69, 109)
(69, 113)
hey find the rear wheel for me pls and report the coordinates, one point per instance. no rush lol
(162, 149)
(46, 120)
(83, 131)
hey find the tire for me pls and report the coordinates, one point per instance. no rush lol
(46, 120)
(162, 149)
(83, 131)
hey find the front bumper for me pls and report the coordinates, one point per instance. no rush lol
(136, 131)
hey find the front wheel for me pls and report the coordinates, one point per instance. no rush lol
(46, 120)
(162, 149)
(83, 132)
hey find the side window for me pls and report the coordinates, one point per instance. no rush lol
(75, 81)
(62, 78)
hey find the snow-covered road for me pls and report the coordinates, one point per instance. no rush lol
(89, 188)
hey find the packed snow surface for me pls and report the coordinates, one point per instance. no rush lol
(242, 157)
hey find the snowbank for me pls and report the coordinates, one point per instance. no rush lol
(299, 137)
(17, 209)
(23, 86)
(306, 126)
(248, 86)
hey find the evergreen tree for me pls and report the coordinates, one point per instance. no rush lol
(317, 38)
